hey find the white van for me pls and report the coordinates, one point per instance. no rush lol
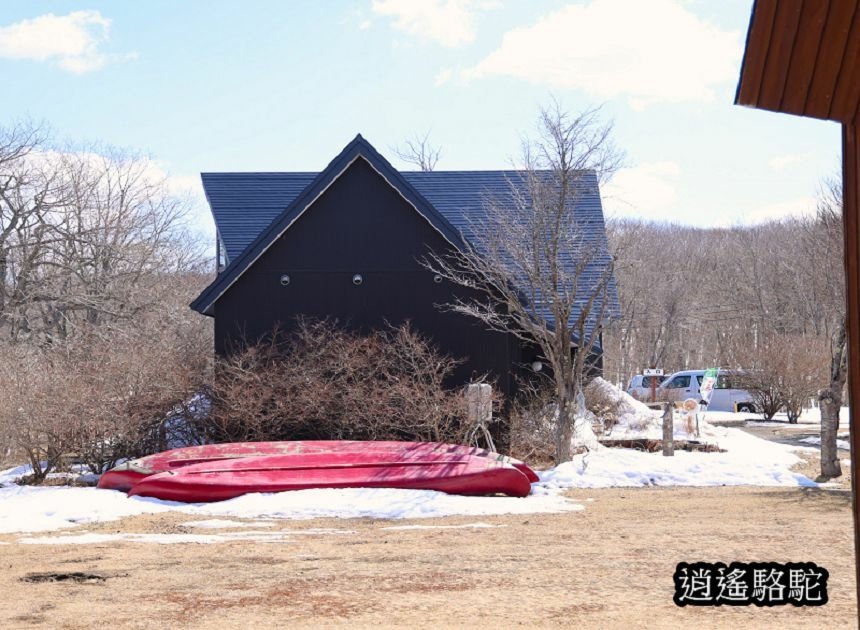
(727, 394)
(640, 385)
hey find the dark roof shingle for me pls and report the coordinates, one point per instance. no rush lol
(251, 209)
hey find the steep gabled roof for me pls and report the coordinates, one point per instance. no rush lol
(244, 204)
(252, 210)
(228, 228)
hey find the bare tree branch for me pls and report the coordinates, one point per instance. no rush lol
(420, 152)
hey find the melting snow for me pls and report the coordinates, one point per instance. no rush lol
(814, 439)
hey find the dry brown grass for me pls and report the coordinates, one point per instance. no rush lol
(609, 566)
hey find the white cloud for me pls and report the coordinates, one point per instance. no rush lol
(450, 23)
(646, 192)
(72, 42)
(648, 51)
(781, 162)
(443, 76)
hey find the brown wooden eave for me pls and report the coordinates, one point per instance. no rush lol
(803, 57)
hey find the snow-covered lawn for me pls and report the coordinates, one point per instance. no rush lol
(747, 460)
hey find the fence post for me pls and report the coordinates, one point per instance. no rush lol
(668, 431)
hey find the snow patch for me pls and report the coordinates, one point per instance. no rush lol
(159, 539)
(815, 439)
(217, 523)
(464, 526)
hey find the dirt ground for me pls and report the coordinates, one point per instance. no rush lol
(607, 566)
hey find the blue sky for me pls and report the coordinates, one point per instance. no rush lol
(270, 85)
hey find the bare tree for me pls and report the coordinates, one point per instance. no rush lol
(420, 152)
(530, 265)
(830, 246)
(97, 266)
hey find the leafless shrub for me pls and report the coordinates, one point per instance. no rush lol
(29, 400)
(788, 373)
(323, 382)
(531, 423)
(604, 405)
(99, 398)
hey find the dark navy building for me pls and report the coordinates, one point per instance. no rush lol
(347, 243)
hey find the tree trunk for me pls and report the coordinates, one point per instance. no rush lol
(830, 402)
(563, 432)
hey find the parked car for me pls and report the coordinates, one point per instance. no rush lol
(728, 395)
(640, 385)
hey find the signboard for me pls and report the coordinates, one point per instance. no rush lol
(709, 381)
(653, 372)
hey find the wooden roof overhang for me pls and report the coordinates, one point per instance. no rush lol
(802, 57)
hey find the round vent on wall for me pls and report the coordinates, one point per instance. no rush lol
(357, 279)
(437, 278)
(285, 280)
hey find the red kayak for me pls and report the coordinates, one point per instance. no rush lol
(124, 476)
(227, 479)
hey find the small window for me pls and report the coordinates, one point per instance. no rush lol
(678, 382)
(729, 381)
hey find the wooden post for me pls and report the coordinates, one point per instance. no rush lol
(851, 225)
(668, 431)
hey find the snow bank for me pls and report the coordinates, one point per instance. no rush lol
(37, 509)
(749, 461)
(377, 503)
(635, 420)
(632, 416)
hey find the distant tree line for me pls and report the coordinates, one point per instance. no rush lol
(767, 298)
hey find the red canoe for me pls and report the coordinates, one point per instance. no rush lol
(124, 476)
(227, 479)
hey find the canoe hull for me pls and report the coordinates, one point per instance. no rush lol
(218, 481)
(124, 476)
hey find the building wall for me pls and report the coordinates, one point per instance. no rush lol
(360, 225)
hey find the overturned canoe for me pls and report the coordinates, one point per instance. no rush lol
(124, 476)
(227, 479)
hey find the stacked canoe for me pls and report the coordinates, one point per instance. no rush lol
(216, 472)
